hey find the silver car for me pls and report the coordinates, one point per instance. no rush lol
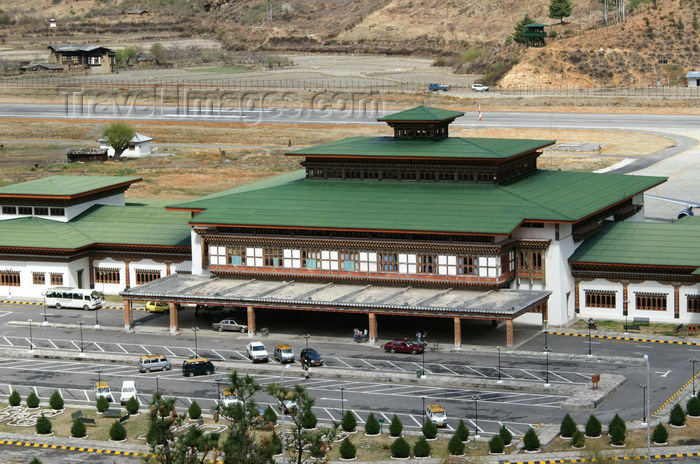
(231, 325)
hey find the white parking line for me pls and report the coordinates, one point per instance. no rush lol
(5, 313)
(478, 372)
(77, 347)
(399, 368)
(447, 369)
(348, 365)
(8, 342)
(51, 341)
(146, 350)
(370, 365)
(125, 351)
(99, 347)
(171, 353)
(222, 357)
(87, 398)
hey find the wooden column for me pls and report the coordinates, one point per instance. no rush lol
(126, 273)
(372, 327)
(174, 328)
(458, 333)
(676, 300)
(509, 335)
(128, 315)
(251, 321)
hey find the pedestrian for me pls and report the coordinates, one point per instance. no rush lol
(307, 371)
(356, 334)
(418, 337)
(424, 337)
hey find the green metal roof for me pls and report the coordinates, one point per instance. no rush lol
(422, 206)
(142, 223)
(644, 243)
(454, 147)
(65, 186)
(422, 113)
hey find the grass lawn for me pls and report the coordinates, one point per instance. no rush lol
(645, 330)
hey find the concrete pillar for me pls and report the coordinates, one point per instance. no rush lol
(174, 328)
(372, 327)
(128, 315)
(509, 335)
(251, 321)
(458, 333)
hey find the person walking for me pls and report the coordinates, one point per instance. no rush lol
(307, 371)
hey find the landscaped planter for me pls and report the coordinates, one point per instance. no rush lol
(678, 426)
(117, 441)
(43, 434)
(78, 438)
(593, 438)
(533, 451)
(660, 444)
(618, 446)
(372, 435)
(400, 459)
(497, 454)
(348, 459)
(578, 447)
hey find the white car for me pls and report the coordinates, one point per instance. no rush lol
(128, 391)
(257, 352)
(102, 389)
(228, 398)
(480, 88)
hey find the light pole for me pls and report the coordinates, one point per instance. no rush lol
(546, 370)
(81, 323)
(626, 303)
(46, 321)
(31, 342)
(646, 405)
(423, 398)
(644, 402)
(195, 330)
(218, 386)
(157, 386)
(476, 399)
(546, 347)
(422, 372)
(99, 374)
(307, 336)
(590, 354)
(284, 406)
(693, 361)
(97, 322)
(499, 364)
(342, 401)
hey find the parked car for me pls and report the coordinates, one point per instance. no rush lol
(436, 414)
(438, 87)
(197, 366)
(283, 353)
(157, 307)
(257, 352)
(102, 389)
(229, 325)
(128, 391)
(402, 345)
(311, 357)
(480, 88)
(156, 362)
(228, 398)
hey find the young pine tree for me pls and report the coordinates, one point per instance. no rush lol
(400, 448)
(372, 425)
(693, 406)
(132, 405)
(593, 427)
(56, 400)
(102, 403)
(568, 427)
(421, 448)
(462, 431)
(496, 445)
(617, 435)
(505, 434)
(348, 422)
(347, 449)
(15, 399)
(194, 411)
(32, 400)
(455, 446)
(578, 440)
(660, 435)
(677, 416)
(396, 427)
(43, 425)
(531, 441)
(117, 432)
(429, 429)
(78, 430)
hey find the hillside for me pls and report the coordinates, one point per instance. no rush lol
(585, 52)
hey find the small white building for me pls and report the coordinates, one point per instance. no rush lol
(693, 78)
(140, 146)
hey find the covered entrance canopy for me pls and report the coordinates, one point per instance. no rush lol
(370, 299)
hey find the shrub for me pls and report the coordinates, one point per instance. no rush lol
(348, 422)
(455, 445)
(421, 448)
(396, 427)
(317, 448)
(132, 405)
(617, 422)
(102, 403)
(429, 429)
(531, 441)
(677, 417)
(117, 432)
(56, 400)
(593, 427)
(372, 426)
(462, 431)
(35, 461)
(15, 399)
(496, 444)
(32, 400)
(347, 449)
(617, 435)
(693, 406)
(77, 430)
(505, 435)
(194, 411)
(270, 415)
(660, 434)
(43, 425)
(308, 420)
(578, 440)
(568, 427)
(400, 448)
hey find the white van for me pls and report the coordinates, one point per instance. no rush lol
(128, 391)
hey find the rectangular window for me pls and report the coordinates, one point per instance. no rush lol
(143, 276)
(236, 256)
(39, 278)
(388, 262)
(41, 211)
(427, 264)
(273, 257)
(600, 299)
(651, 301)
(104, 275)
(25, 210)
(467, 265)
(694, 303)
(9, 210)
(9, 278)
(348, 260)
(311, 259)
(529, 261)
(58, 212)
(56, 279)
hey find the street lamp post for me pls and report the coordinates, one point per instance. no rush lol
(46, 321)
(307, 336)
(499, 364)
(546, 346)
(693, 361)
(590, 353)
(99, 374)
(626, 302)
(546, 370)
(97, 322)
(31, 342)
(157, 386)
(284, 440)
(423, 398)
(195, 330)
(644, 402)
(476, 399)
(646, 406)
(218, 386)
(422, 372)
(342, 401)
(81, 323)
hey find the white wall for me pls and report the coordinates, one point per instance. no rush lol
(112, 200)
(27, 268)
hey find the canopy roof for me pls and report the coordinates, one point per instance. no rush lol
(66, 187)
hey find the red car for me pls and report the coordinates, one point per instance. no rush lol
(403, 346)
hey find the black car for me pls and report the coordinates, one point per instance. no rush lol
(311, 357)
